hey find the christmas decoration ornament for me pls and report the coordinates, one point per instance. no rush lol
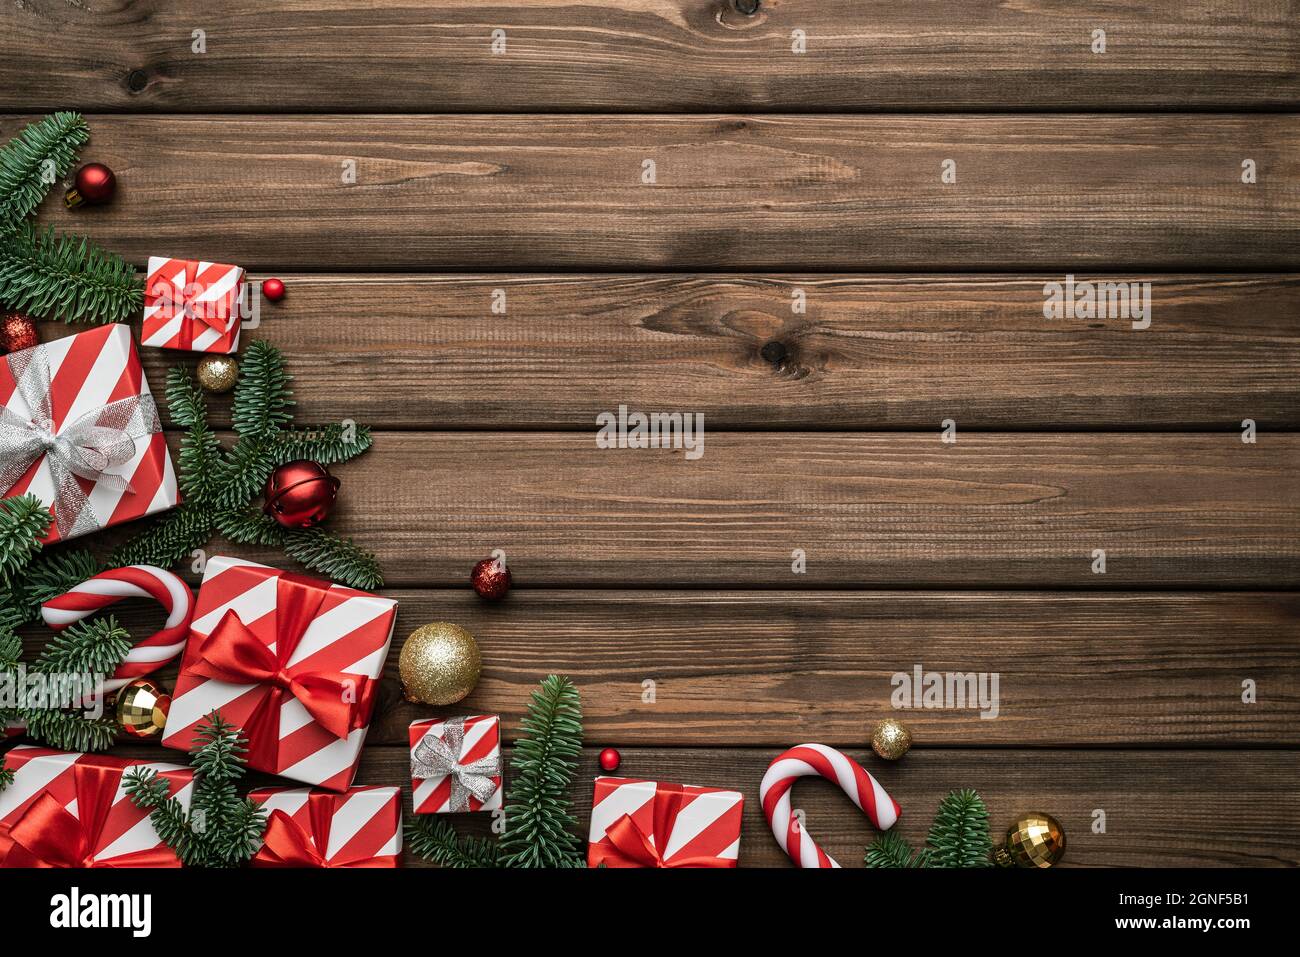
(134, 581)
(192, 305)
(300, 494)
(302, 821)
(456, 764)
(142, 707)
(959, 837)
(273, 289)
(439, 664)
(660, 824)
(890, 739)
(1034, 840)
(491, 579)
(853, 779)
(94, 184)
(218, 373)
(17, 331)
(610, 759)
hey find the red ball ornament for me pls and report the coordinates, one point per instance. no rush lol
(93, 184)
(17, 331)
(610, 759)
(491, 579)
(273, 289)
(300, 494)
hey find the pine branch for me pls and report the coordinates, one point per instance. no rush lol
(93, 645)
(53, 573)
(70, 730)
(326, 444)
(168, 541)
(434, 839)
(263, 401)
(890, 850)
(34, 160)
(24, 520)
(11, 648)
(200, 455)
(338, 558)
(65, 277)
(244, 471)
(539, 822)
(6, 778)
(959, 836)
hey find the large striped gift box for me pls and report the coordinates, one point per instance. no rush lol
(294, 661)
(71, 810)
(193, 305)
(456, 764)
(307, 827)
(653, 824)
(75, 388)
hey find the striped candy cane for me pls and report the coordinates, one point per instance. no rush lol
(853, 779)
(133, 581)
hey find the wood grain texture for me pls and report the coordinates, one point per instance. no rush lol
(644, 55)
(770, 668)
(820, 193)
(866, 353)
(1163, 809)
(992, 510)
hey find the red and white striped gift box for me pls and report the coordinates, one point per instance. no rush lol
(361, 827)
(480, 746)
(193, 305)
(653, 824)
(88, 371)
(310, 629)
(51, 784)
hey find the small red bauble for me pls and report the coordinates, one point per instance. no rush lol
(273, 289)
(491, 579)
(300, 494)
(17, 331)
(93, 184)
(610, 759)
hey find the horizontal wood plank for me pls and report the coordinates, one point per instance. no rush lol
(402, 56)
(1163, 809)
(767, 668)
(864, 353)
(820, 193)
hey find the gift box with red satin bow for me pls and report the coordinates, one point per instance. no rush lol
(293, 661)
(193, 305)
(456, 764)
(653, 824)
(70, 810)
(306, 827)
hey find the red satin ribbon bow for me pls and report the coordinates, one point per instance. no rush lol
(215, 314)
(52, 837)
(288, 844)
(338, 701)
(635, 845)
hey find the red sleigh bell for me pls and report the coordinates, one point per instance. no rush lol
(300, 494)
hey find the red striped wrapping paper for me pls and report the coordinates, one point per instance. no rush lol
(653, 824)
(361, 827)
(124, 837)
(87, 371)
(482, 741)
(348, 633)
(192, 305)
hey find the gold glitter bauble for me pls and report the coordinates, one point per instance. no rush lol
(142, 708)
(890, 739)
(218, 373)
(1035, 840)
(439, 664)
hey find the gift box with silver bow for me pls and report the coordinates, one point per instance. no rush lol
(456, 764)
(80, 431)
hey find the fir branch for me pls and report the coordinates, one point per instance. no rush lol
(959, 836)
(263, 400)
(53, 573)
(326, 444)
(65, 277)
(200, 454)
(92, 645)
(338, 558)
(24, 520)
(539, 822)
(168, 541)
(434, 839)
(890, 850)
(34, 160)
(6, 777)
(11, 648)
(70, 730)
(244, 471)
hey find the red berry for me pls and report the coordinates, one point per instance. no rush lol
(273, 289)
(610, 759)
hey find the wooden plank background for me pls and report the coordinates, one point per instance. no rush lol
(780, 178)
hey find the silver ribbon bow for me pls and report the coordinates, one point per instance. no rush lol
(88, 447)
(436, 757)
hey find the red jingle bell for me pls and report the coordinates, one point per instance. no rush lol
(491, 579)
(300, 494)
(93, 184)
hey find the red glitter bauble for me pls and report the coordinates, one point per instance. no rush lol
(610, 759)
(17, 331)
(491, 579)
(93, 184)
(273, 289)
(300, 494)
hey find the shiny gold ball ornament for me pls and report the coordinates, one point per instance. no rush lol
(890, 739)
(439, 664)
(218, 373)
(142, 708)
(1035, 840)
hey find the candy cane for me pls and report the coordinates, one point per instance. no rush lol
(853, 779)
(133, 581)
